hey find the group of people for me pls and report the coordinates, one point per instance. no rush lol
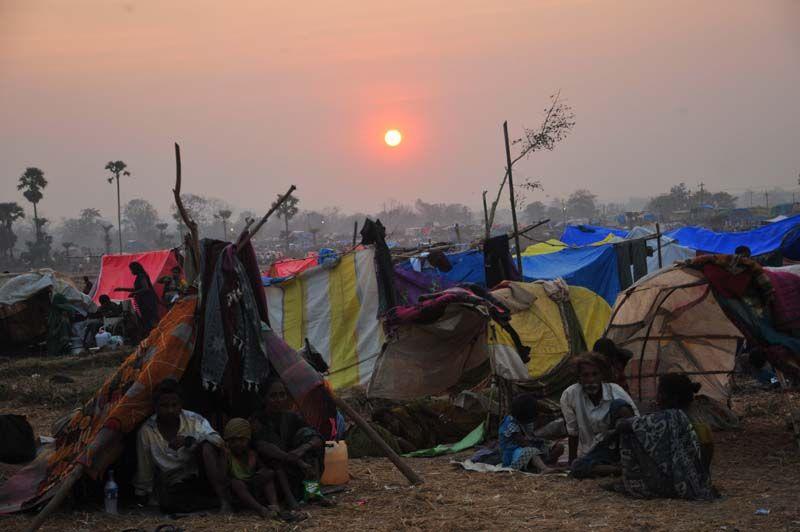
(661, 454)
(264, 464)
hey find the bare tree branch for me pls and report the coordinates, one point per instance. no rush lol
(187, 220)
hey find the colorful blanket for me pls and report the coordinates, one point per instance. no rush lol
(120, 405)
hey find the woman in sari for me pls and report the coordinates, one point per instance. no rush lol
(144, 295)
(660, 453)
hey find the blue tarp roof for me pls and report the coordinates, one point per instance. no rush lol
(783, 235)
(584, 235)
(467, 267)
(594, 268)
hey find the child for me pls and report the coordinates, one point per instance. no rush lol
(248, 474)
(518, 446)
(603, 458)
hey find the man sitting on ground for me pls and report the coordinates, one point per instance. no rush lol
(585, 405)
(179, 457)
(108, 309)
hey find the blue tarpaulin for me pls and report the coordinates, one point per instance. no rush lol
(584, 235)
(467, 267)
(783, 236)
(594, 268)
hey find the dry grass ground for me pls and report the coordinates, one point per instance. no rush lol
(756, 467)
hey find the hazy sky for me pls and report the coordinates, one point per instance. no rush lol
(262, 94)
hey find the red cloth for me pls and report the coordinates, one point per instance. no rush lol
(786, 302)
(114, 273)
(289, 267)
(726, 283)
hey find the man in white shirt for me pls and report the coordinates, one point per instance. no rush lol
(585, 405)
(171, 448)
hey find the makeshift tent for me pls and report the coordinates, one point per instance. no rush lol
(336, 307)
(25, 303)
(583, 235)
(593, 267)
(553, 246)
(91, 440)
(671, 250)
(114, 272)
(690, 318)
(438, 349)
(289, 267)
(783, 236)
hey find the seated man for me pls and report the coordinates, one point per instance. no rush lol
(603, 459)
(287, 444)
(107, 308)
(585, 405)
(179, 457)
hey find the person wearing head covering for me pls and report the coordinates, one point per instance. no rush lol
(144, 295)
(519, 447)
(251, 481)
(661, 453)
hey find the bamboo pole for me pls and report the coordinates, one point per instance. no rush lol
(513, 201)
(658, 236)
(404, 468)
(63, 490)
(355, 233)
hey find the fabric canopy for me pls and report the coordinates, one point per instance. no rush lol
(593, 267)
(583, 235)
(26, 285)
(289, 267)
(336, 308)
(783, 235)
(114, 272)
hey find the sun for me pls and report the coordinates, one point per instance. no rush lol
(393, 138)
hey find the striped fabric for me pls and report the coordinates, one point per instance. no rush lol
(337, 310)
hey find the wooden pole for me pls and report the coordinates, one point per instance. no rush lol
(243, 241)
(513, 201)
(63, 490)
(488, 229)
(458, 234)
(355, 233)
(658, 245)
(409, 473)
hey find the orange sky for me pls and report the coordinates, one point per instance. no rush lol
(263, 94)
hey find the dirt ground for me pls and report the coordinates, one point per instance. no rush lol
(757, 467)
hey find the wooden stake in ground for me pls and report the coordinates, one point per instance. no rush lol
(63, 490)
(404, 468)
(513, 201)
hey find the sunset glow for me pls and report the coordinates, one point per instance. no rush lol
(393, 138)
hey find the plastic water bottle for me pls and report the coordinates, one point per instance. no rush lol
(111, 493)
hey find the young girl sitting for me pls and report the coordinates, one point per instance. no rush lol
(519, 447)
(248, 474)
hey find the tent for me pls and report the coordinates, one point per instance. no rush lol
(92, 438)
(692, 317)
(592, 267)
(671, 250)
(336, 307)
(783, 236)
(25, 305)
(114, 272)
(438, 349)
(583, 235)
(289, 267)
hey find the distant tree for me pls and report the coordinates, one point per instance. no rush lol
(677, 199)
(721, 200)
(9, 213)
(581, 204)
(224, 215)
(535, 211)
(107, 237)
(162, 240)
(32, 182)
(287, 210)
(84, 230)
(118, 168)
(558, 121)
(141, 218)
(67, 246)
(39, 251)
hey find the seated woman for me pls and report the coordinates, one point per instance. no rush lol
(519, 448)
(603, 458)
(661, 454)
(287, 444)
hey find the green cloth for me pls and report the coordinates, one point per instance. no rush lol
(470, 440)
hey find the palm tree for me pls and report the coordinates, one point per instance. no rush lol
(162, 238)
(224, 215)
(32, 182)
(9, 213)
(67, 246)
(288, 209)
(118, 168)
(107, 237)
